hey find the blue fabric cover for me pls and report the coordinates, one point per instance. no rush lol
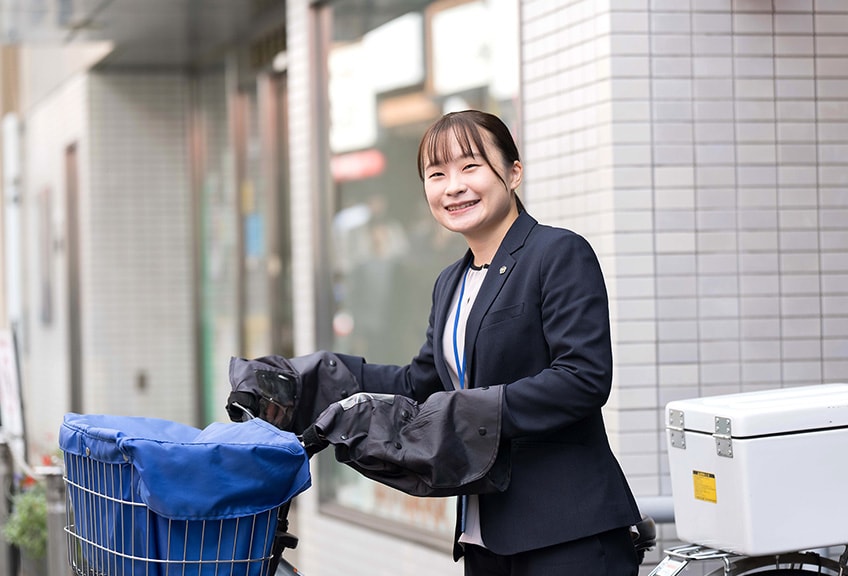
(211, 495)
(227, 470)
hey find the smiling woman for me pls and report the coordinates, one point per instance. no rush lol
(394, 68)
(523, 313)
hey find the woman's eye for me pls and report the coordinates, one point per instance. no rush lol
(434, 174)
(470, 166)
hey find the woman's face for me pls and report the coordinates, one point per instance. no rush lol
(467, 196)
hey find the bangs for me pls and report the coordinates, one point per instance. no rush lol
(437, 142)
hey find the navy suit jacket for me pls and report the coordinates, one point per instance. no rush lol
(540, 327)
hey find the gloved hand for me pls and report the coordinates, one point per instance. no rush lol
(288, 393)
(446, 446)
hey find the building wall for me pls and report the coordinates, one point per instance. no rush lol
(48, 129)
(303, 106)
(699, 145)
(138, 333)
(135, 252)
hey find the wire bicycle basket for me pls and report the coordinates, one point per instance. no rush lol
(149, 497)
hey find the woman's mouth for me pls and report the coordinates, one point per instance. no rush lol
(456, 207)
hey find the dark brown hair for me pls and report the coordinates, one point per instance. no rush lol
(467, 126)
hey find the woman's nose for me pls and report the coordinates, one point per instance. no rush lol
(456, 184)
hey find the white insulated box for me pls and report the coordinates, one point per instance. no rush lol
(760, 473)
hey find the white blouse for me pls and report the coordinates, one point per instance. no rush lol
(453, 350)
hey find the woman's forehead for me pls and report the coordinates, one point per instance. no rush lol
(454, 142)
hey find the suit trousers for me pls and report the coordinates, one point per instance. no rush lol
(606, 554)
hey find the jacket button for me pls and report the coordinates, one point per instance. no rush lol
(343, 394)
(343, 436)
(332, 363)
(398, 445)
(482, 431)
(404, 414)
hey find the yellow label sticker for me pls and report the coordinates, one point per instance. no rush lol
(705, 486)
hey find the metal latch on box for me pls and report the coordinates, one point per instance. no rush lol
(722, 434)
(723, 439)
(676, 430)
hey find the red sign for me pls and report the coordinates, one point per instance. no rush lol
(357, 165)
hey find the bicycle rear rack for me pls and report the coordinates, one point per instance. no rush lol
(678, 557)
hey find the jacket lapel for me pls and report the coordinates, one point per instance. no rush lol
(443, 299)
(499, 270)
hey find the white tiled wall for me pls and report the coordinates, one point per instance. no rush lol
(302, 100)
(138, 210)
(50, 127)
(134, 205)
(724, 220)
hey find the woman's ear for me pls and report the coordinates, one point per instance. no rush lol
(516, 172)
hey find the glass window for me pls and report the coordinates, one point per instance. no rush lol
(244, 249)
(393, 69)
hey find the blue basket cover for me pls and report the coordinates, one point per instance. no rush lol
(227, 470)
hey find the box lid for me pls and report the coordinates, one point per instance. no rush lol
(801, 408)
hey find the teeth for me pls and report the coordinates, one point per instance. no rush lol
(461, 206)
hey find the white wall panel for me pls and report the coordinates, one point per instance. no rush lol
(50, 127)
(739, 142)
(137, 249)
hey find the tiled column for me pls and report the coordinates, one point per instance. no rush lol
(831, 84)
(700, 145)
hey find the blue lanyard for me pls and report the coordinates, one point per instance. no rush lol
(460, 372)
(460, 366)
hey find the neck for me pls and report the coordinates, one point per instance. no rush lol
(485, 246)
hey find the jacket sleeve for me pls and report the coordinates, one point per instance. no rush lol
(575, 324)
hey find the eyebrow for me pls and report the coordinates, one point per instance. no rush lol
(439, 163)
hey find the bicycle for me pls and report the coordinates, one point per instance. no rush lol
(112, 530)
(123, 520)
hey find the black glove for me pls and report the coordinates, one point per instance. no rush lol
(288, 393)
(313, 441)
(447, 446)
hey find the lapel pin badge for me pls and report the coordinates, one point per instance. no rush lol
(502, 270)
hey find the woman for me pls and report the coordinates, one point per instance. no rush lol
(526, 308)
